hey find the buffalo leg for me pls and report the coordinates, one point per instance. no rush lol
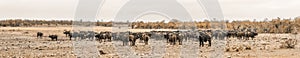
(146, 41)
(174, 42)
(209, 42)
(70, 38)
(201, 43)
(109, 39)
(132, 43)
(180, 42)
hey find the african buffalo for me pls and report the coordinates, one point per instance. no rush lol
(74, 35)
(172, 38)
(132, 39)
(39, 34)
(231, 34)
(251, 35)
(104, 36)
(67, 33)
(145, 37)
(53, 37)
(246, 35)
(218, 34)
(203, 37)
(240, 35)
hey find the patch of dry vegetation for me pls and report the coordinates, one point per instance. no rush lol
(275, 26)
(288, 43)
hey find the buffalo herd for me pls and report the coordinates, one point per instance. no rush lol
(171, 37)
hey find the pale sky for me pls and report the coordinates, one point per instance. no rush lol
(65, 9)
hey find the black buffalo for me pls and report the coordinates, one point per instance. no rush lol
(173, 37)
(231, 34)
(241, 35)
(39, 34)
(203, 37)
(104, 36)
(67, 33)
(53, 37)
(145, 37)
(132, 39)
(251, 35)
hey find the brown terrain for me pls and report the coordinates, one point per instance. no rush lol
(21, 42)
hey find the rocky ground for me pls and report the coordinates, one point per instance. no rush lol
(22, 42)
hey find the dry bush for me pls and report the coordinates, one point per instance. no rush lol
(283, 25)
(238, 47)
(288, 43)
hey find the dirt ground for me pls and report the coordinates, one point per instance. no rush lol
(22, 42)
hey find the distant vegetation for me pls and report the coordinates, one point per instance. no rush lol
(32, 23)
(275, 26)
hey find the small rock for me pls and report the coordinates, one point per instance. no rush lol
(228, 56)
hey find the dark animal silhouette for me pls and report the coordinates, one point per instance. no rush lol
(53, 37)
(146, 37)
(231, 34)
(240, 35)
(251, 35)
(67, 33)
(39, 35)
(203, 37)
(172, 38)
(179, 38)
(132, 39)
(104, 36)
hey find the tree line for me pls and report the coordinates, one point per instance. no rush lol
(277, 25)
